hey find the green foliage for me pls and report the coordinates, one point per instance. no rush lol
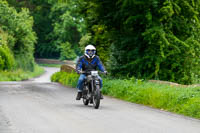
(43, 27)
(97, 33)
(19, 74)
(20, 36)
(183, 100)
(84, 41)
(67, 53)
(6, 58)
(69, 79)
(191, 107)
(101, 41)
(151, 39)
(67, 27)
(23, 63)
(13, 75)
(55, 22)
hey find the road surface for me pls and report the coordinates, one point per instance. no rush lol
(39, 106)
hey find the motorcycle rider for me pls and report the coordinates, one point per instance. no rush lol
(89, 61)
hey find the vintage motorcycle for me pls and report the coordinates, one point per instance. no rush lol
(91, 90)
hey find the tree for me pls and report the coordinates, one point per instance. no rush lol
(67, 27)
(20, 36)
(151, 39)
(55, 22)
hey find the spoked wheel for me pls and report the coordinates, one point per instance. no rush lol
(85, 99)
(96, 97)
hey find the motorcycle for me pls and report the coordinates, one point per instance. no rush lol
(91, 90)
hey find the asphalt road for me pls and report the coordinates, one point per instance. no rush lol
(39, 106)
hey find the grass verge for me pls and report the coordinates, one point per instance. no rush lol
(177, 99)
(19, 74)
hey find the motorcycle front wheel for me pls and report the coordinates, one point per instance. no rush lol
(96, 97)
(85, 101)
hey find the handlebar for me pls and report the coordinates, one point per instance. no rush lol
(89, 72)
(85, 72)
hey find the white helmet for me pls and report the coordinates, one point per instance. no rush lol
(90, 51)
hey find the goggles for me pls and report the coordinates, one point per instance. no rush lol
(90, 50)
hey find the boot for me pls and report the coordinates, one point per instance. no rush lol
(79, 95)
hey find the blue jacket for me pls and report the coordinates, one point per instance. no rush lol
(84, 65)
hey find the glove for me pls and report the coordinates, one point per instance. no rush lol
(79, 72)
(105, 72)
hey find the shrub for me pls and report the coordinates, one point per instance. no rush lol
(6, 58)
(20, 36)
(69, 79)
(19, 74)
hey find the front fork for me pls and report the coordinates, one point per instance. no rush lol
(91, 87)
(94, 83)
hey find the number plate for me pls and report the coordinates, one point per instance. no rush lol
(94, 73)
